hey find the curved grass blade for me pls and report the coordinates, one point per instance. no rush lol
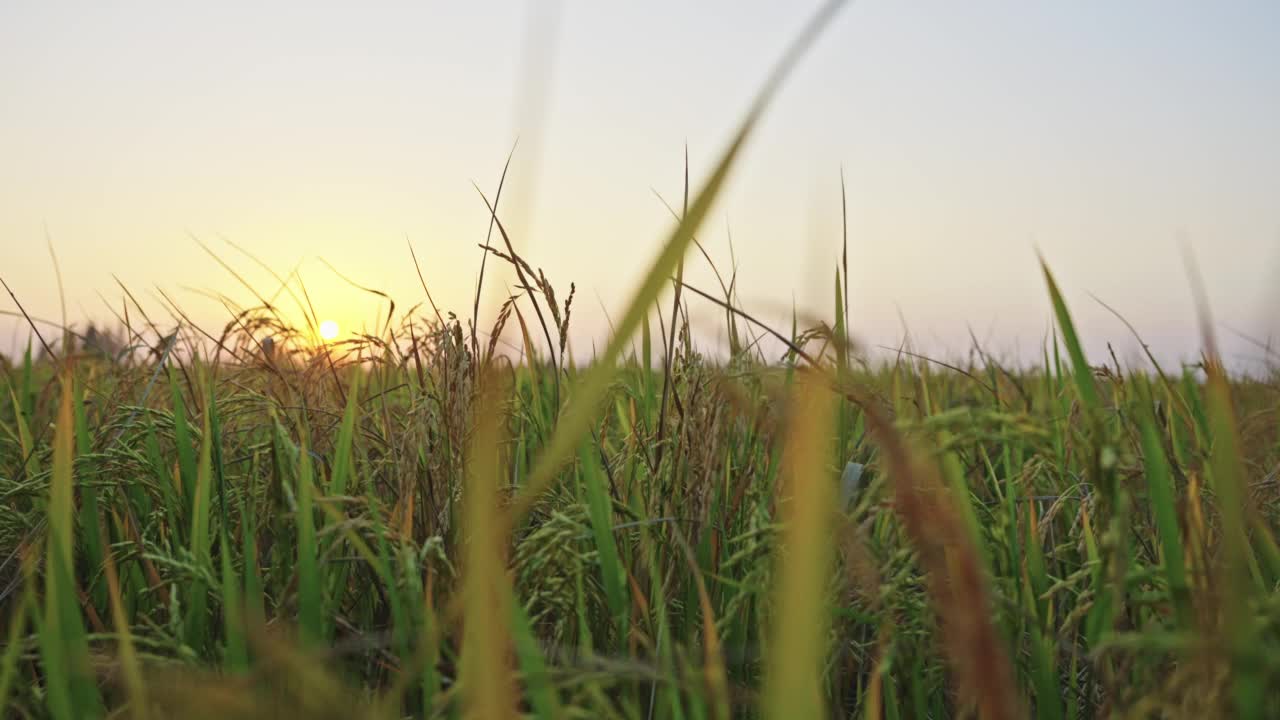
(1080, 370)
(1249, 684)
(590, 390)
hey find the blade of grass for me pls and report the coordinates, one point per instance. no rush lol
(196, 623)
(485, 674)
(182, 440)
(793, 685)
(71, 688)
(31, 463)
(235, 650)
(1164, 507)
(90, 528)
(533, 666)
(17, 622)
(342, 445)
(1081, 372)
(129, 666)
(310, 602)
(601, 514)
(1249, 684)
(590, 390)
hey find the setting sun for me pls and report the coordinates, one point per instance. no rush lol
(328, 330)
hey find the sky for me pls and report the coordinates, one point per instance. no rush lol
(1113, 138)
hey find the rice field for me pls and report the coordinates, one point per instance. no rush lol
(255, 522)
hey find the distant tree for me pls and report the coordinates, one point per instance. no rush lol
(102, 343)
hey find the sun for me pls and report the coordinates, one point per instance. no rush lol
(328, 330)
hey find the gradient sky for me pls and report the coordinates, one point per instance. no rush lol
(1108, 135)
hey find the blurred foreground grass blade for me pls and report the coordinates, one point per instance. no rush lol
(485, 673)
(1248, 681)
(794, 680)
(1242, 579)
(71, 690)
(591, 388)
(958, 588)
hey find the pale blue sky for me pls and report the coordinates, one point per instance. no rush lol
(970, 134)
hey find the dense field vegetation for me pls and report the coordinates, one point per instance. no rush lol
(412, 523)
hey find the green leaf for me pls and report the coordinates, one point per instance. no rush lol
(1080, 369)
(90, 527)
(601, 512)
(182, 440)
(342, 446)
(71, 690)
(197, 600)
(310, 600)
(1164, 507)
(541, 691)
